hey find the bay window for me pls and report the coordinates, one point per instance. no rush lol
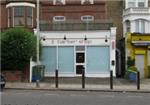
(22, 16)
(29, 16)
(128, 25)
(140, 26)
(19, 16)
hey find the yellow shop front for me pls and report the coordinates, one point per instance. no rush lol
(138, 48)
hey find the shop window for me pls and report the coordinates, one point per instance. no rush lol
(66, 59)
(87, 18)
(48, 58)
(98, 59)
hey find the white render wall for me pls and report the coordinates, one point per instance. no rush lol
(133, 14)
(73, 38)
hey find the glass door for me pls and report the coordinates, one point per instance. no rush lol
(80, 59)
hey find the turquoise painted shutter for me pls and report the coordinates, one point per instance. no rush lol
(66, 59)
(97, 59)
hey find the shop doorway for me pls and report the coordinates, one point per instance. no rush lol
(139, 63)
(80, 59)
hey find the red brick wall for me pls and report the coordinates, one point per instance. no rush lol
(12, 76)
(3, 16)
(17, 75)
(72, 11)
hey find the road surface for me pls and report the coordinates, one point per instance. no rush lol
(37, 97)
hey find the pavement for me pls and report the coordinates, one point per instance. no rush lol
(91, 84)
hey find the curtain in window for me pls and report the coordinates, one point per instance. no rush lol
(29, 16)
(142, 26)
(19, 16)
(137, 26)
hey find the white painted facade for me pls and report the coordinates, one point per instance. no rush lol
(77, 38)
(138, 17)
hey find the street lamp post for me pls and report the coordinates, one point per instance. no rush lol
(38, 34)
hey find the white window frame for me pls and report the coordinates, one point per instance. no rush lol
(91, 1)
(131, 1)
(57, 20)
(87, 20)
(136, 3)
(139, 24)
(62, 1)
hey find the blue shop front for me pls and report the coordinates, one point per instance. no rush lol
(71, 52)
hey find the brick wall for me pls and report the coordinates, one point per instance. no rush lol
(17, 75)
(72, 11)
(12, 76)
(114, 12)
(3, 16)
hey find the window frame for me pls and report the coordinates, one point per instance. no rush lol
(87, 16)
(63, 2)
(24, 16)
(83, 2)
(140, 25)
(31, 17)
(57, 20)
(18, 16)
(136, 3)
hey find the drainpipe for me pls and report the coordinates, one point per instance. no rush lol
(30, 78)
(119, 60)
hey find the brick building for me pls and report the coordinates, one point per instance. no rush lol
(81, 27)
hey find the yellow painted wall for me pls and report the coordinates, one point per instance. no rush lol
(135, 50)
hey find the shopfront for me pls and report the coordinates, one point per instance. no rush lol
(138, 49)
(71, 52)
